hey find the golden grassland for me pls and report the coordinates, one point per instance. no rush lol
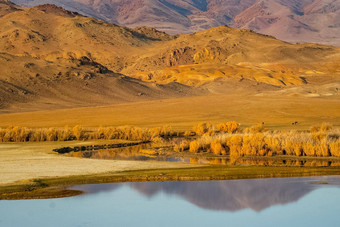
(24, 134)
(23, 162)
(181, 113)
(320, 141)
(30, 170)
(226, 138)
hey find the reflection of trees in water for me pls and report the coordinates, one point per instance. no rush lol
(286, 162)
(115, 153)
(255, 194)
(134, 153)
(266, 162)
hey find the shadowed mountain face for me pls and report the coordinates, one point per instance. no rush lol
(289, 20)
(233, 195)
(46, 63)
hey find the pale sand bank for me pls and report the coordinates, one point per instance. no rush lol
(23, 161)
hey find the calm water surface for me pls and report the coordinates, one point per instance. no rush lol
(256, 202)
(134, 153)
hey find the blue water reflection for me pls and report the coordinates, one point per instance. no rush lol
(257, 202)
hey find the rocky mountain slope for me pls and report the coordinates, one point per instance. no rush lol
(289, 20)
(49, 59)
(53, 57)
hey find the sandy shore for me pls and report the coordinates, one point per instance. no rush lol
(20, 162)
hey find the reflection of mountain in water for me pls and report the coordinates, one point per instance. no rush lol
(256, 194)
(96, 188)
(232, 195)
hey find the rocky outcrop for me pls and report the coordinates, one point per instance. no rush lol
(51, 8)
(180, 56)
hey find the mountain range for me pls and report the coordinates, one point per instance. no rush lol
(289, 20)
(51, 57)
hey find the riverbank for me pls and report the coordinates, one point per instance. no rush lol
(34, 171)
(22, 162)
(58, 186)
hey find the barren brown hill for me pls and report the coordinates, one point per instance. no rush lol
(289, 20)
(224, 52)
(50, 57)
(7, 7)
(49, 60)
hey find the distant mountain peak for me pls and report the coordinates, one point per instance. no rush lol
(51, 8)
(289, 20)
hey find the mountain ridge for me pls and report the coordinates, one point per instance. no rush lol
(288, 20)
(54, 57)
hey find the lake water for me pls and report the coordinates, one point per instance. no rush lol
(312, 201)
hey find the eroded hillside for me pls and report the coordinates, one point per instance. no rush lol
(55, 57)
(51, 57)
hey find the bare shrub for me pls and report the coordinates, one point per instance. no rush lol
(321, 141)
(22, 134)
(78, 132)
(255, 129)
(297, 147)
(320, 132)
(326, 127)
(194, 146)
(322, 149)
(273, 145)
(159, 141)
(185, 145)
(309, 149)
(228, 127)
(216, 147)
(189, 133)
(203, 128)
(166, 131)
(253, 145)
(235, 145)
(334, 148)
(65, 135)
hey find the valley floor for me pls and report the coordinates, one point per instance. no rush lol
(275, 110)
(20, 163)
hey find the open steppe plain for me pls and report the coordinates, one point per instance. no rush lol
(276, 111)
(21, 163)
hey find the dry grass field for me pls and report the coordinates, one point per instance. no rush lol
(181, 113)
